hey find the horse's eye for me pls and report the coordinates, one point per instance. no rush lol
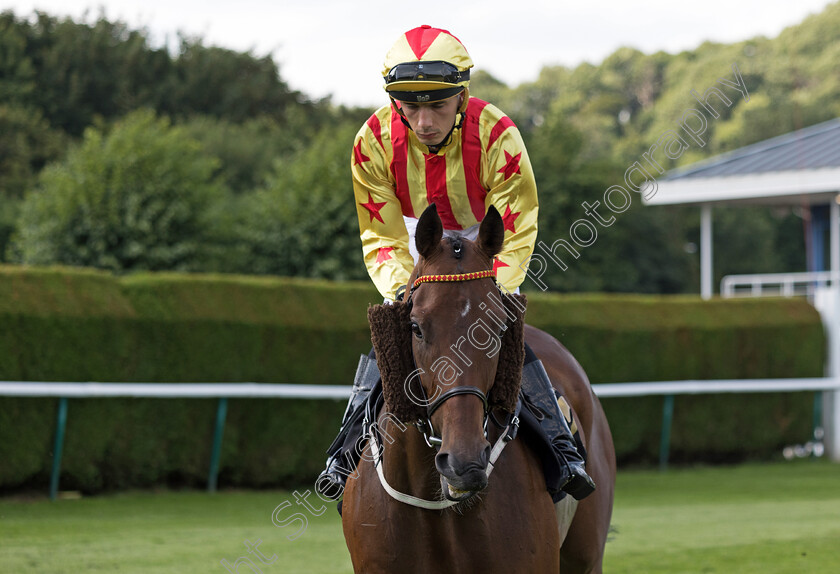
(415, 328)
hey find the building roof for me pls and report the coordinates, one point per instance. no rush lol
(801, 166)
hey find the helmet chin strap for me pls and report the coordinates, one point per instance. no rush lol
(448, 138)
(459, 117)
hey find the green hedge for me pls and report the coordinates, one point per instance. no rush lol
(80, 325)
(72, 325)
(645, 338)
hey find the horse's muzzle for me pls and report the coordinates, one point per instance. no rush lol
(458, 480)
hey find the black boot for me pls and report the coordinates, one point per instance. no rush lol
(541, 400)
(343, 453)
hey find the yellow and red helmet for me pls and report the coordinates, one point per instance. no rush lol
(426, 65)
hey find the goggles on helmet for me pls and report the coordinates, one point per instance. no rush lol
(433, 71)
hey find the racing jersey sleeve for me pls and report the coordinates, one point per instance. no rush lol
(512, 189)
(381, 225)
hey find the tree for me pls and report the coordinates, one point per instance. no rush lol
(303, 223)
(17, 73)
(136, 198)
(94, 71)
(222, 83)
(26, 145)
(247, 151)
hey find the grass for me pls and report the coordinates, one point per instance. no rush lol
(768, 519)
(169, 532)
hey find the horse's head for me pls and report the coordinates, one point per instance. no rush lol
(465, 339)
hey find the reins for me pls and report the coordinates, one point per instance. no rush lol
(507, 435)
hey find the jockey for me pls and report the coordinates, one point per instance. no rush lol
(435, 144)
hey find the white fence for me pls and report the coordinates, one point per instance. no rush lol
(173, 390)
(286, 391)
(224, 391)
(776, 284)
(822, 288)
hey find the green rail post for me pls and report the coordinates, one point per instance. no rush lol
(665, 438)
(58, 446)
(218, 432)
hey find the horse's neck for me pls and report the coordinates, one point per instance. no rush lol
(409, 463)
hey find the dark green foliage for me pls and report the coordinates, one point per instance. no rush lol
(135, 198)
(225, 84)
(638, 338)
(87, 71)
(246, 150)
(283, 157)
(76, 73)
(72, 325)
(9, 212)
(303, 223)
(28, 143)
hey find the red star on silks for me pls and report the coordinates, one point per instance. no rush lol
(498, 264)
(384, 254)
(512, 165)
(358, 156)
(373, 208)
(509, 217)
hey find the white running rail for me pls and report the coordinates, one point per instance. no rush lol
(223, 391)
(289, 391)
(776, 284)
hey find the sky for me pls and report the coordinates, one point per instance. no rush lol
(336, 47)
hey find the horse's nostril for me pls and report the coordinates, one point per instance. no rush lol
(448, 465)
(443, 464)
(485, 456)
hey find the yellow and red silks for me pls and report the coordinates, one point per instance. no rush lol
(394, 175)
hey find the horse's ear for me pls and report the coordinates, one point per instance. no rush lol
(429, 232)
(491, 233)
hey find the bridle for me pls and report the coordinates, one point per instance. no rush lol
(425, 425)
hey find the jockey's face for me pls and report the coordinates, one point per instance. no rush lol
(432, 121)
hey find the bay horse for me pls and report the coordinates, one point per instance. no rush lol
(426, 502)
